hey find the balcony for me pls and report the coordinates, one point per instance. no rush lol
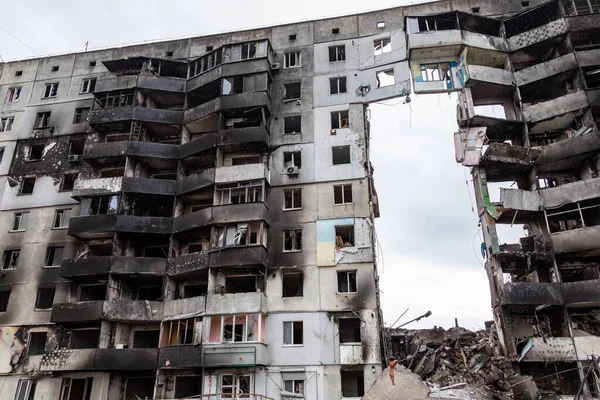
(582, 294)
(486, 81)
(238, 256)
(351, 354)
(237, 173)
(244, 139)
(570, 103)
(99, 154)
(583, 240)
(153, 150)
(180, 357)
(184, 308)
(435, 44)
(237, 101)
(196, 181)
(193, 220)
(132, 311)
(539, 34)
(546, 69)
(205, 143)
(243, 354)
(551, 349)
(532, 294)
(161, 83)
(98, 186)
(83, 311)
(116, 83)
(244, 67)
(159, 187)
(107, 119)
(97, 226)
(68, 360)
(236, 303)
(136, 224)
(95, 267)
(231, 213)
(188, 264)
(125, 359)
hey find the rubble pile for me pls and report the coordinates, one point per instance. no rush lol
(453, 358)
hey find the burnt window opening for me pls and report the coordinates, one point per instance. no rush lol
(169, 53)
(292, 36)
(339, 119)
(55, 68)
(156, 251)
(292, 240)
(25, 389)
(101, 205)
(344, 236)
(6, 124)
(353, 383)
(292, 60)
(335, 31)
(342, 194)
(525, 4)
(240, 284)
(349, 330)
(4, 296)
(112, 172)
(292, 199)
(95, 292)
(84, 338)
(20, 221)
(181, 332)
(19, 73)
(10, 259)
(209, 48)
(68, 182)
(194, 290)
(45, 298)
(576, 272)
(76, 389)
(92, 63)
(340, 155)
(42, 120)
(188, 386)
(81, 115)
(292, 159)
(139, 388)
(245, 160)
(54, 256)
(293, 91)
(61, 218)
(36, 343)
(146, 339)
(293, 333)
(292, 125)
(337, 53)
(36, 151)
(76, 147)
(148, 293)
(337, 85)
(347, 282)
(51, 90)
(293, 284)
(475, 10)
(88, 85)
(381, 46)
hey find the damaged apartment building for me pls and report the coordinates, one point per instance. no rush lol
(195, 218)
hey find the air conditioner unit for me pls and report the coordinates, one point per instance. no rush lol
(275, 66)
(291, 169)
(74, 158)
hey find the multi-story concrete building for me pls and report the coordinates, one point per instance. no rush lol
(196, 217)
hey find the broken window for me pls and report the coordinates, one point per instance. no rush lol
(236, 386)
(436, 72)
(19, 73)
(76, 389)
(292, 60)
(294, 386)
(117, 99)
(349, 330)
(84, 338)
(292, 283)
(4, 296)
(293, 333)
(340, 154)
(353, 383)
(45, 298)
(36, 343)
(146, 339)
(61, 218)
(92, 63)
(337, 85)
(242, 234)
(36, 152)
(342, 194)
(104, 205)
(180, 332)
(81, 115)
(20, 221)
(381, 46)
(27, 185)
(339, 119)
(292, 199)
(42, 120)
(346, 282)
(233, 85)
(239, 193)
(188, 386)
(51, 90)
(292, 91)
(13, 94)
(292, 159)
(139, 388)
(237, 328)
(6, 124)
(68, 182)
(94, 292)
(10, 259)
(25, 389)
(54, 256)
(55, 68)
(292, 125)
(337, 53)
(385, 78)
(344, 235)
(292, 240)
(76, 147)
(248, 50)
(88, 85)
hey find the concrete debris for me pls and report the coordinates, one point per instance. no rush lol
(408, 386)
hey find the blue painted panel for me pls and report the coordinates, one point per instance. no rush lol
(326, 228)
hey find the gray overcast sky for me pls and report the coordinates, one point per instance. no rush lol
(427, 230)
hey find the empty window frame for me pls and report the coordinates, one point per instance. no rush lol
(88, 85)
(146, 339)
(13, 94)
(55, 68)
(241, 284)
(342, 194)
(117, 99)
(10, 259)
(84, 338)
(54, 256)
(292, 125)
(292, 60)
(292, 158)
(19, 73)
(6, 124)
(35, 152)
(76, 147)
(42, 120)
(337, 53)
(292, 284)
(61, 218)
(36, 343)
(139, 388)
(339, 119)
(194, 290)
(104, 205)
(353, 383)
(81, 115)
(381, 46)
(92, 292)
(292, 240)
(347, 282)
(51, 90)
(148, 293)
(344, 235)
(349, 330)
(237, 328)
(337, 85)
(293, 91)
(20, 221)
(25, 389)
(188, 386)
(68, 182)
(340, 154)
(92, 64)
(293, 333)
(27, 185)
(242, 234)
(385, 78)
(294, 386)
(292, 199)
(239, 193)
(436, 72)
(4, 296)
(45, 298)
(76, 389)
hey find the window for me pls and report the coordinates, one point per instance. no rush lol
(4, 296)
(88, 85)
(25, 389)
(525, 4)
(76, 389)
(339, 119)
(292, 240)
(293, 284)
(35, 152)
(337, 85)
(36, 343)
(92, 63)
(148, 292)
(436, 72)
(242, 234)
(353, 383)
(139, 388)
(245, 160)
(335, 31)
(169, 54)
(292, 91)
(146, 339)
(475, 10)
(346, 282)
(93, 292)
(10, 259)
(294, 386)
(45, 298)
(344, 235)
(20, 221)
(237, 328)
(81, 115)
(42, 120)
(385, 78)
(188, 386)
(76, 147)
(13, 94)
(51, 90)
(349, 330)
(209, 48)
(342, 194)
(241, 284)
(292, 36)
(292, 158)
(2, 149)
(61, 218)
(293, 333)
(381, 46)
(55, 68)
(104, 205)
(68, 182)
(54, 256)
(233, 85)
(19, 73)
(239, 193)
(292, 199)
(236, 386)
(84, 338)
(292, 125)
(340, 155)
(337, 53)
(6, 124)
(381, 24)
(117, 99)
(248, 50)
(292, 60)
(27, 185)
